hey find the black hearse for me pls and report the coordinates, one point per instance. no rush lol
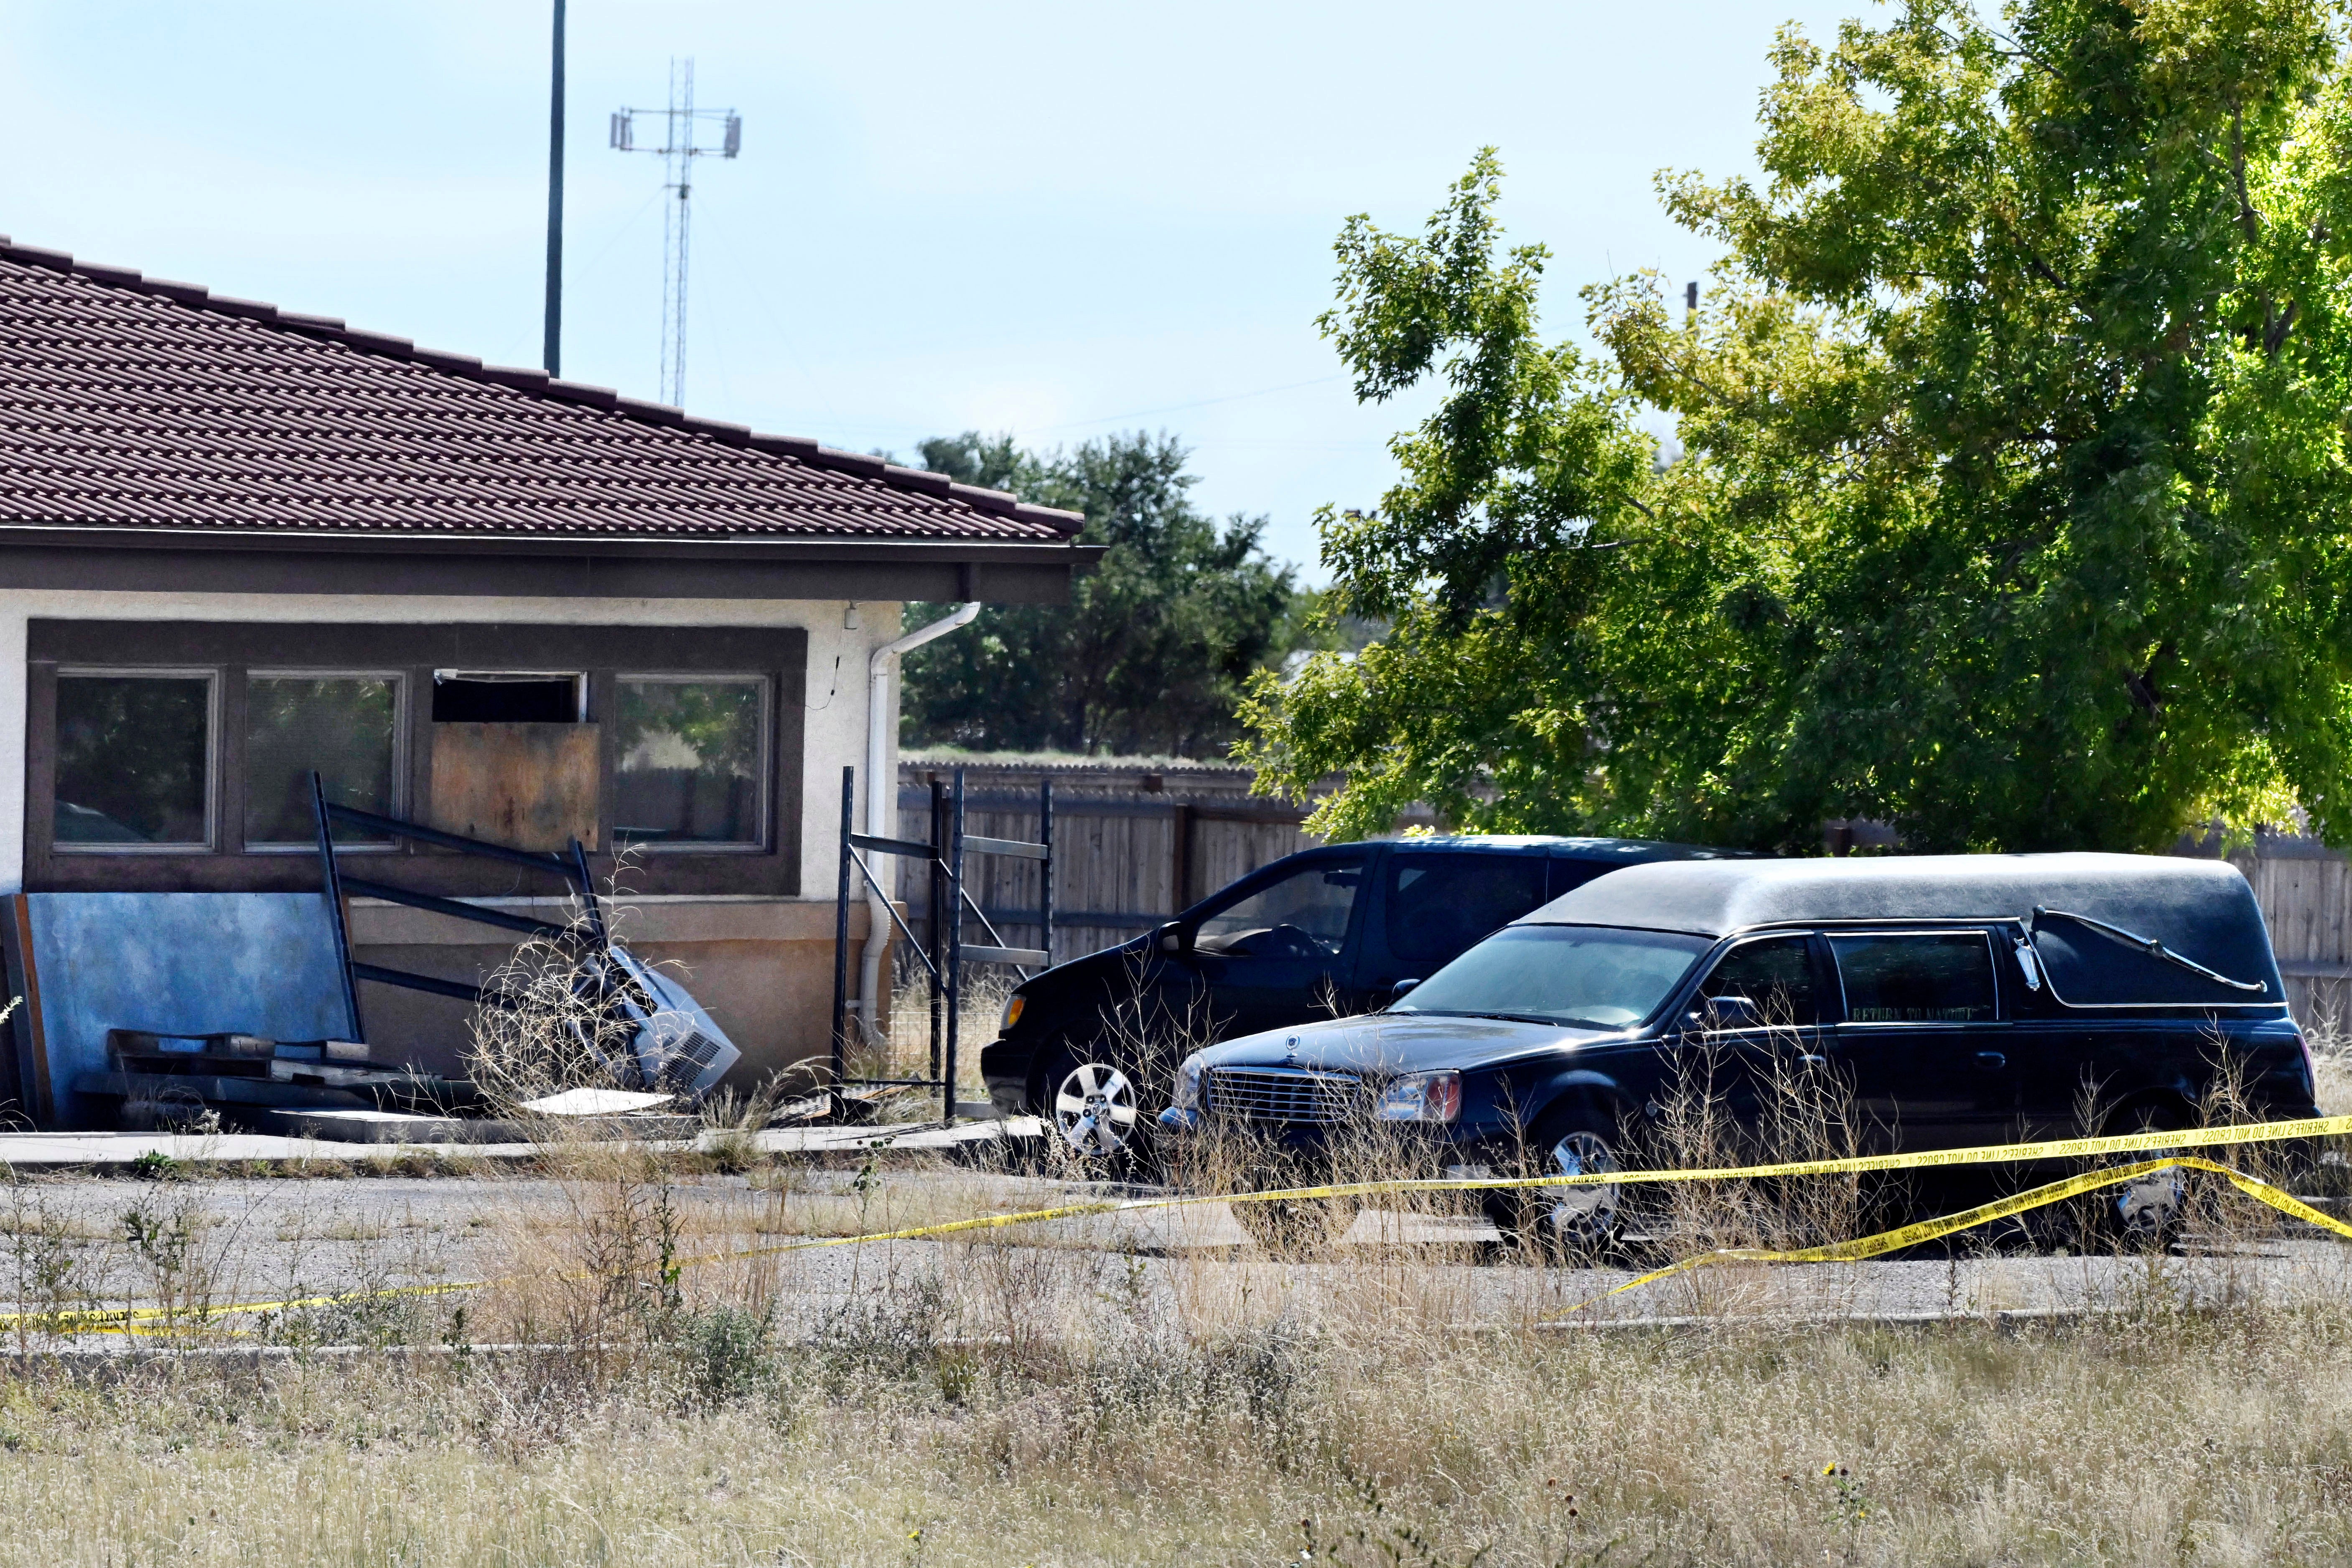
(1959, 1000)
(1329, 931)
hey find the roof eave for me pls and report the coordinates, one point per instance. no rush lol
(748, 547)
(249, 564)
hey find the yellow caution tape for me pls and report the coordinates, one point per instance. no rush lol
(1857, 1165)
(1927, 1230)
(138, 1319)
(132, 1319)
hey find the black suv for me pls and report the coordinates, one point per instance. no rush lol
(1950, 1001)
(1327, 932)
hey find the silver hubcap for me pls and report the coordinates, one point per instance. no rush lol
(1582, 1214)
(2145, 1206)
(1094, 1109)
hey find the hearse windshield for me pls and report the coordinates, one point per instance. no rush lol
(1594, 976)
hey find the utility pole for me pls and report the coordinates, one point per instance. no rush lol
(679, 151)
(553, 356)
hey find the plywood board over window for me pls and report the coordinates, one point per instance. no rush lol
(532, 786)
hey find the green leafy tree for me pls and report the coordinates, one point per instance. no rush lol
(1150, 654)
(2012, 499)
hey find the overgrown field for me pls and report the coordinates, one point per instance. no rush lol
(1092, 1395)
(2157, 1436)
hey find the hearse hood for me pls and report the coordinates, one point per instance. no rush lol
(1382, 1043)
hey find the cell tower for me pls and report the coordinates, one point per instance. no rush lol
(677, 152)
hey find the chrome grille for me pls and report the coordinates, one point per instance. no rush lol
(1283, 1094)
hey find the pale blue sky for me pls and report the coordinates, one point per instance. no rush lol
(1056, 219)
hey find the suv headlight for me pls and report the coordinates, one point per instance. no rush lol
(1187, 1096)
(1012, 1005)
(1423, 1096)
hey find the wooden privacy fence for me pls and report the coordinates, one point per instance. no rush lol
(1136, 842)
(2304, 889)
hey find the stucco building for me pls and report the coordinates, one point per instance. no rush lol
(238, 544)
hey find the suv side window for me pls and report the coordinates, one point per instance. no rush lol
(1776, 973)
(1567, 875)
(1915, 977)
(1439, 904)
(1303, 915)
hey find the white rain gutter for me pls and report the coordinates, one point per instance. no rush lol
(882, 797)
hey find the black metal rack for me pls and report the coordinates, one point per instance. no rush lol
(572, 865)
(941, 951)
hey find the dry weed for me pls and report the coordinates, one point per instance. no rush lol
(1127, 1390)
(954, 1413)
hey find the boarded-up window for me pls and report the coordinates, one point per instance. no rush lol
(688, 761)
(528, 787)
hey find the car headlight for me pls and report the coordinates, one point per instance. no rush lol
(1013, 1004)
(1423, 1096)
(1187, 1096)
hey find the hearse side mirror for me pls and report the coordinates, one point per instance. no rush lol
(1171, 937)
(1729, 1013)
(1396, 992)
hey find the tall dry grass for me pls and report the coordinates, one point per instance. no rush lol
(1398, 1389)
(900, 1047)
(999, 1403)
(1104, 1399)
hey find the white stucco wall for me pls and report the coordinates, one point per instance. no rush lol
(834, 703)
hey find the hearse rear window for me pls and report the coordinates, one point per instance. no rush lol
(1926, 977)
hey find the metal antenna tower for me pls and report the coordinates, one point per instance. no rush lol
(678, 152)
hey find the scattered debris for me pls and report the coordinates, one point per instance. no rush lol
(595, 1103)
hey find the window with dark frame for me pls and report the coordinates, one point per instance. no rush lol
(1776, 973)
(1302, 915)
(134, 761)
(689, 761)
(346, 726)
(1439, 904)
(709, 780)
(1915, 977)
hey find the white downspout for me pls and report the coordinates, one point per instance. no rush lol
(882, 797)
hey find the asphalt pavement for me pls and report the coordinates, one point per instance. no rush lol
(246, 1238)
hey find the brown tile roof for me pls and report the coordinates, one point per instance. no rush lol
(132, 403)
